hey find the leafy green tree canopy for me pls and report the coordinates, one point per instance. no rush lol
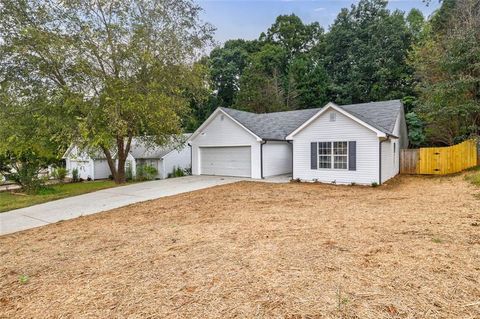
(287, 72)
(447, 64)
(366, 52)
(113, 69)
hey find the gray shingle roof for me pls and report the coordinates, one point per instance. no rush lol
(272, 126)
(380, 115)
(141, 149)
(278, 125)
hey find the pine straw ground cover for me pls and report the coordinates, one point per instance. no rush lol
(409, 249)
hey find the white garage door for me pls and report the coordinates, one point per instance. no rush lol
(102, 170)
(226, 161)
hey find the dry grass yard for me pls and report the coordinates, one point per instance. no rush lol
(409, 249)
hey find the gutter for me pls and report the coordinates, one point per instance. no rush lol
(275, 140)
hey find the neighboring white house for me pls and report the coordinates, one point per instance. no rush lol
(357, 143)
(94, 165)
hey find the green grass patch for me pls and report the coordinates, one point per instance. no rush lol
(9, 201)
(473, 175)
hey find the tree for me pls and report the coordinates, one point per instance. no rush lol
(310, 80)
(447, 64)
(261, 87)
(366, 52)
(112, 69)
(287, 72)
(27, 139)
(416, 23)
(227, 64)
(293, 35)
(416, 130)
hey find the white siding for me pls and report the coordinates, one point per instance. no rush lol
(222, 131)
(391, 150)
(85, 168)
(130, 162)
(277, 158)
(81, 161)
(389, 161)
(343, 129)
(182, 158)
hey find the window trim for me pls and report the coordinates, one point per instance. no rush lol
(332, 156)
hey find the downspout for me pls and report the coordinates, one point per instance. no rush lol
(261, 158)
(191, 158)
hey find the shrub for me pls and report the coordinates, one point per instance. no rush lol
(177, 172)
(60, 173)
(24, 170)
(75, 176)
(374, 184)
(187, 171)
(27, 176)
(146, 173)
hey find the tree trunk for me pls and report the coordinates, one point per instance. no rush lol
(122, 157)
(120, 178)
(122, 154)
(110, 161)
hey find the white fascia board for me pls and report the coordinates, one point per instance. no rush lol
(67, 152)
(212, 116)
(331, 105)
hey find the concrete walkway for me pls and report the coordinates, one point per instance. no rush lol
(91, 203)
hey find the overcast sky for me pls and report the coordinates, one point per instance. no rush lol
(247, 18)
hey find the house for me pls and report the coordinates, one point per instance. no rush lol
(92, 164)
(357, 143)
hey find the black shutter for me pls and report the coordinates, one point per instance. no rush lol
(352, 156)
(313, 155)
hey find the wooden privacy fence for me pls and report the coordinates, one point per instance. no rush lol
(439, 160)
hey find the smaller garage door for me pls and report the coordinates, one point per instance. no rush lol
(226, 161)
(102, 170)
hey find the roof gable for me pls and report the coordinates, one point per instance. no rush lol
(380, 117)
(228, 114)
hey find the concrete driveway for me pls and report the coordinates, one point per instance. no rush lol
(91, 203)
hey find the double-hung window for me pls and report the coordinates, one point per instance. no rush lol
(324, 155)
(333, 155)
